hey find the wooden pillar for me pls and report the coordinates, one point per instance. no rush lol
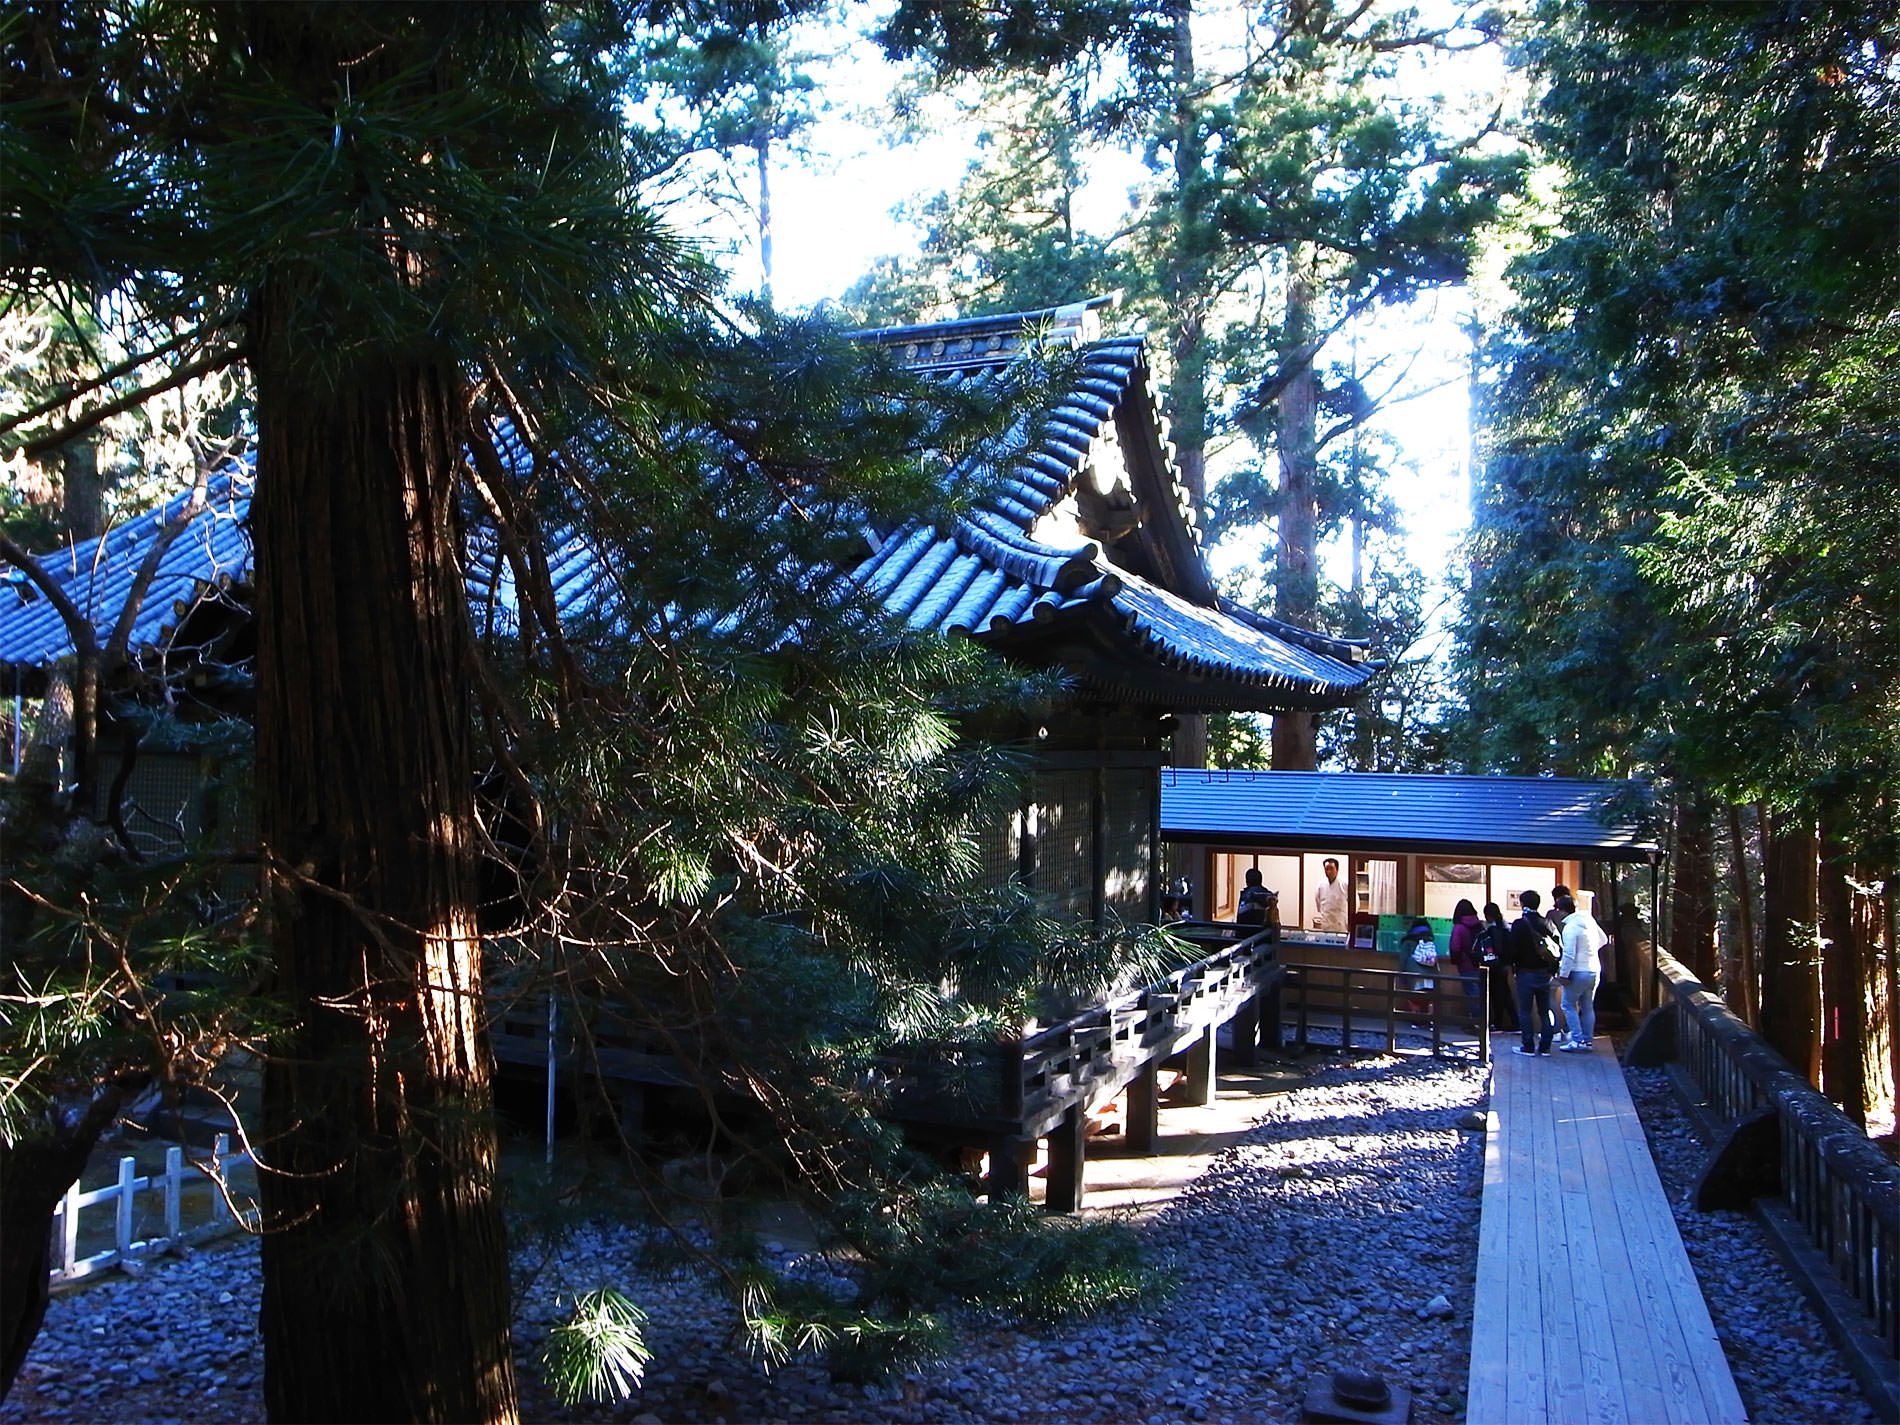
(1199, 1088)
(1143, 1121)
(1246, 1034)
(1009, 1167)
(1272, 1002)
(1067, 1153)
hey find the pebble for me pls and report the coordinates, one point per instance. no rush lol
(1299, 1251)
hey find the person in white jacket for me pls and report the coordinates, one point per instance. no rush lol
(1580, 971)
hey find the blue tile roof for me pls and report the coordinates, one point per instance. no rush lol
(997, 573)
(1545, 817)
(204, 562)
(992, 575)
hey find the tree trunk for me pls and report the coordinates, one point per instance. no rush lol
(1790, 980)
(1185, 281)
(83, 492)
(1296, 596)
(1692, 888)
(1742, 971)
(1844, 1004)
(386, 1291)
(36, 1168)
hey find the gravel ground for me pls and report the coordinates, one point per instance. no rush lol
(1341, 1231)
(1786, 1366)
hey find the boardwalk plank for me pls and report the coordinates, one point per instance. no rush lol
(1586, 1310)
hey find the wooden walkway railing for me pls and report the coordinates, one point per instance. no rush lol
(1004, 1098)
(1826, 1193)
(1586, 1308)
(1356, 1000)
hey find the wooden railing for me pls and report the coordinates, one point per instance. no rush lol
(122, 1197)
(1841, 1190)
(1381, 1001)
(1026, 1087)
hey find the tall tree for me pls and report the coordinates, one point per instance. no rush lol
(1297, 189)
(1691, 448)
(414, 156)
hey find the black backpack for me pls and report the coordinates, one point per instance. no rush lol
(1487, 946)
(1548, 954)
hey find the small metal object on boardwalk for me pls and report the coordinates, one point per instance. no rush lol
(1354, 1397)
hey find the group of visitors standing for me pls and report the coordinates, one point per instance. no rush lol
(1556, 955)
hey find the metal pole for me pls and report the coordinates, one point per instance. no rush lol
(552, 1003)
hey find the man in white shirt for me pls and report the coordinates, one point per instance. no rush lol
(1581, 971)
(1329, 901)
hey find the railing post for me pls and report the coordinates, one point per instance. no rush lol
(1199, 1088)
(69, 1230)
(1144, 1109)
(1009, 1166)
(122, 1228)
(174, 1188)
(1246, 1033)
(1068, 1152)
(1009, 1080)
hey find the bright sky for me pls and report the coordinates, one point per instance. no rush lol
(836, 211)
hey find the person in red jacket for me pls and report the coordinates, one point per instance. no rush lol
(1465, 926)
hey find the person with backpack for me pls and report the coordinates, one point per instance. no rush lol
(1465, 928)
(1492, 947)
(1534, 959)
(1258, 905)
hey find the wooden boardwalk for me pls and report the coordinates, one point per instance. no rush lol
(1587, 1311)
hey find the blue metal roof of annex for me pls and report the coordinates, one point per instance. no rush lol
(1544, 817)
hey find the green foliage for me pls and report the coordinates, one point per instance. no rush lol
(599, 1353)
(936, 1242)
(1680, 561)
(928, 1247)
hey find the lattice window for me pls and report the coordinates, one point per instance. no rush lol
(1127, 824)
(999, 849)
(162, 799)
(1065, 861)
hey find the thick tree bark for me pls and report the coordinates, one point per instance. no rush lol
(1844, 1003)
(36, 1168)
(1296, 734)
(1741, 970)
(1790, 978)
(1692, 887)
(385, 1273)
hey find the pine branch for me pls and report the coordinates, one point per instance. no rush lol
(205, 365)
(106, 377)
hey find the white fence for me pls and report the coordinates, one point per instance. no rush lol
(68, 1265)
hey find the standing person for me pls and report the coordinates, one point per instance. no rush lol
(1419, 959)
(1494, 941)
(1329, 901)
(1581, 971)
(1559, 894)
(1254, 899)
(1534, 959)
(1465, 929)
